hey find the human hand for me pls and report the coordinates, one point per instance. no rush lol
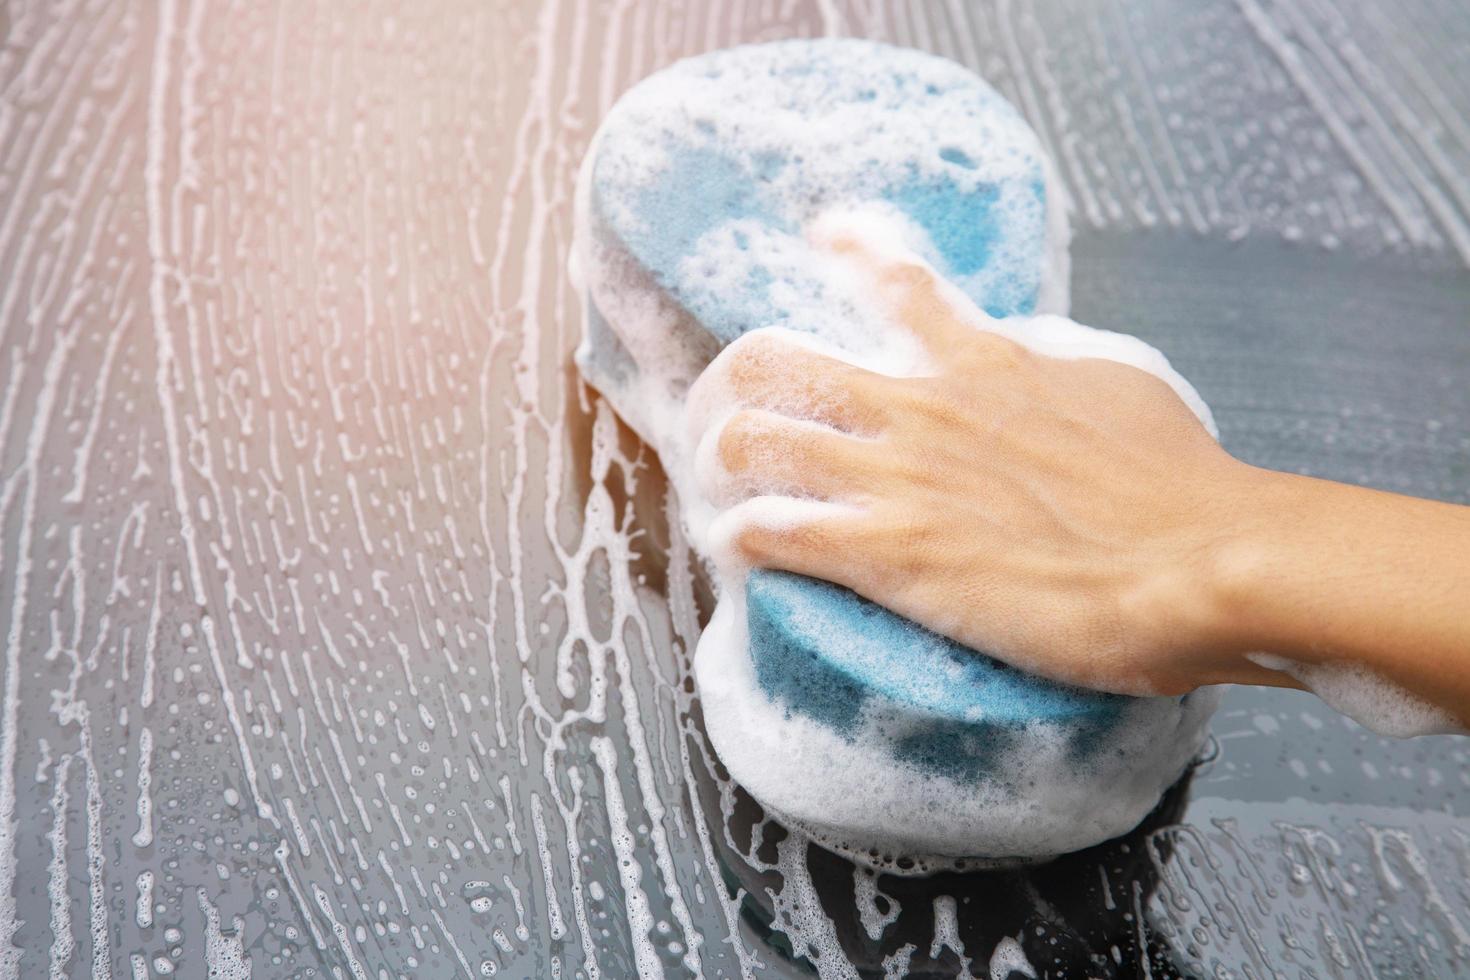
(1060, 514)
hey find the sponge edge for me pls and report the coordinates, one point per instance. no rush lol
(693, 196)
(854, 795)
(677, 252)
(825, 652)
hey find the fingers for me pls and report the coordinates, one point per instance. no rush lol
(808, 537)
(769, 369)
(759, 452)
(907, 289)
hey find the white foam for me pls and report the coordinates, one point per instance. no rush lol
(852, 793)
(1372, 701)
(780, 111)
(854, 796)
(774, 116)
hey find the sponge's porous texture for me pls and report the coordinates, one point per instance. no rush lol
(839, 659)
(875, 735)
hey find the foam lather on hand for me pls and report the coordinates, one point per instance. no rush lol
(697, 211)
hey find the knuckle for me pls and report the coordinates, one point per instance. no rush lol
(870, 408)
(807, 537)
(907, 552)
(758, 345)
(738, 438)
(747, 542)
(935, 405)
(921, 471)
(1002, 352)
(907, 275)
(750, 360)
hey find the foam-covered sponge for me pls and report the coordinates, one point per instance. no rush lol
(875, 735)
(846, 662)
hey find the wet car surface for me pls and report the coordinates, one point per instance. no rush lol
(348, 633)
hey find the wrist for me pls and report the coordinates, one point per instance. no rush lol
(1202, 605)
(1247, 575)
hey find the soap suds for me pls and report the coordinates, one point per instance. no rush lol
(1009, 957)
(665, 290)
(869, 804)
(854, 796)
(1372, 701)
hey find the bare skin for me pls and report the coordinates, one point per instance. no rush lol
(1073, 517)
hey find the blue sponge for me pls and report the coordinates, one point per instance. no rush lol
(664, 183)
(839, 659)
(691, 210)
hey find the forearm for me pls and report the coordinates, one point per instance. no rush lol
(1326, 573)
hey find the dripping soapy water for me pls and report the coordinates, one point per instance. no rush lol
(1371, 700)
